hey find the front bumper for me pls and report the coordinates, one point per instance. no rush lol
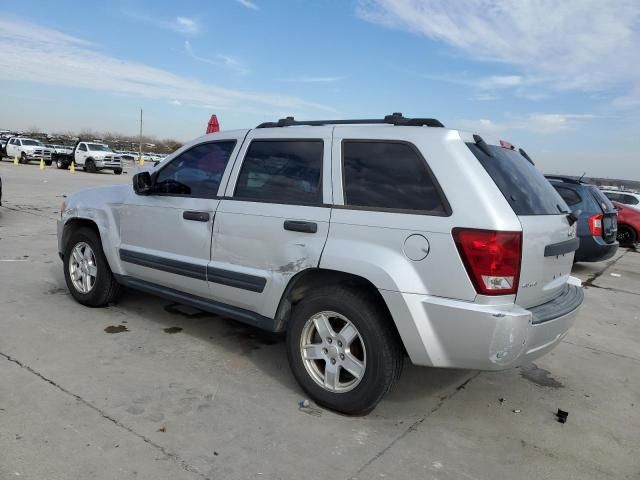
(442, 332)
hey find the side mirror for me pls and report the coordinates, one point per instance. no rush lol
(142, 183)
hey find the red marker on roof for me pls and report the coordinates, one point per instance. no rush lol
(214, 125)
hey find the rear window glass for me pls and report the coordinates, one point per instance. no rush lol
(388, 175)
(604, 202)
(521, 183)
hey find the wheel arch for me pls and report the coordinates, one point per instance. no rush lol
(311, 278)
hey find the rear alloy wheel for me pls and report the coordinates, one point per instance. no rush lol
(90, 166)
(343, 349)
(626, 235)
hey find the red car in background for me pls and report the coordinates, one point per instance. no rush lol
(628, 224)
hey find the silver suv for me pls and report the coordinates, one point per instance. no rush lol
(364, 240)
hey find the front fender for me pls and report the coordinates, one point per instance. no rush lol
(101, 206)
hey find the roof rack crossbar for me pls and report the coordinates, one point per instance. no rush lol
(394, 119)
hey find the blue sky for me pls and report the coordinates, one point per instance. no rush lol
(560, 79)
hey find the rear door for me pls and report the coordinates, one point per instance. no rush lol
(274, 219)
(548, 241)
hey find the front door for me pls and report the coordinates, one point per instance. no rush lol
(274, 219)
(166, 236)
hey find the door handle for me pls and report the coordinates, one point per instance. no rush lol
(300, 226)
(196, 216)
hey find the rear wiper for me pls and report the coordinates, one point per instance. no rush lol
(524, 154)
(573, 216)
(482, 145)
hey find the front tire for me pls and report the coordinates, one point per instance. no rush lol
(90, 166)
(61, 165)
(23, 158)
(48, 163)
(343, 349)
(117, 171)
(86, 270)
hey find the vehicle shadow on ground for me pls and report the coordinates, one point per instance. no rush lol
(266, 351)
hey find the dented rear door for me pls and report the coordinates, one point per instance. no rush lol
(274, 219)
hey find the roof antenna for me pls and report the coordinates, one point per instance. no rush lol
(582, 176)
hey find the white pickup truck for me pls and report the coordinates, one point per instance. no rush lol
(27, 150)
(92, 157)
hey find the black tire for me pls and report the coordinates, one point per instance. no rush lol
(23, 158)
(384, 357)
(105, 289)
(48, 163)
(61, 165)
(117, 171)
(626, 235)
(90, 166)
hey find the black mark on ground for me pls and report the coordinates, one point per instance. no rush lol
(258, 337)
(185, 311)
(539, 376)
(172, 329)
(116, 329)
(56, 291)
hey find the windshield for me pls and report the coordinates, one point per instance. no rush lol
(521, 183)
(34, 143)
(97, 147)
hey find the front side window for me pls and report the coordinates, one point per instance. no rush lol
(196, 172)
(628, 199)
(97, 147)
(31, 143)
(82, 147)
(282, 171)
(389, 175)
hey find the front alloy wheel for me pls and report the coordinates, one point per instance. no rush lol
(83, 269)
(333, 352)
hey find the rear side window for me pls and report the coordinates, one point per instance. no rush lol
(282, 171)
(524, 187)
(628, 199)
(389, 175)
(570, 196)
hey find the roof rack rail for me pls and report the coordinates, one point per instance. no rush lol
(393, 119)
(563, 178)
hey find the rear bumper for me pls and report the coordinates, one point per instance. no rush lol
(595, 249)
(448, 333)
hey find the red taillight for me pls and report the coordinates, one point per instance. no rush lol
(213, 125)
(595, 224)
(492, 259)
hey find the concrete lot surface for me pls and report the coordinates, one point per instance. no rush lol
(179, 394)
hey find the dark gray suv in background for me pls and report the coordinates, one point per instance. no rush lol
(597, 223)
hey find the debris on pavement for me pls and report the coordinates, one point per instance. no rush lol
(616, 275)
(501, 400)
(162, 429)
(305, 407)
(562, 416)
(116, 329)
(517, 410)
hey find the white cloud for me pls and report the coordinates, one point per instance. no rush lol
(220, 60)
(569, 44)
(187, 25)
(179, 24)
(313, 79)
(27, 47)
(543, 123)
(248, 4)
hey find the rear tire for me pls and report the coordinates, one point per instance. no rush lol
(626, 235)
(90, 166)
(23, 158)
(61, 165)
(83, 254)
(48, 163)
(323, 365)
(117, 171)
